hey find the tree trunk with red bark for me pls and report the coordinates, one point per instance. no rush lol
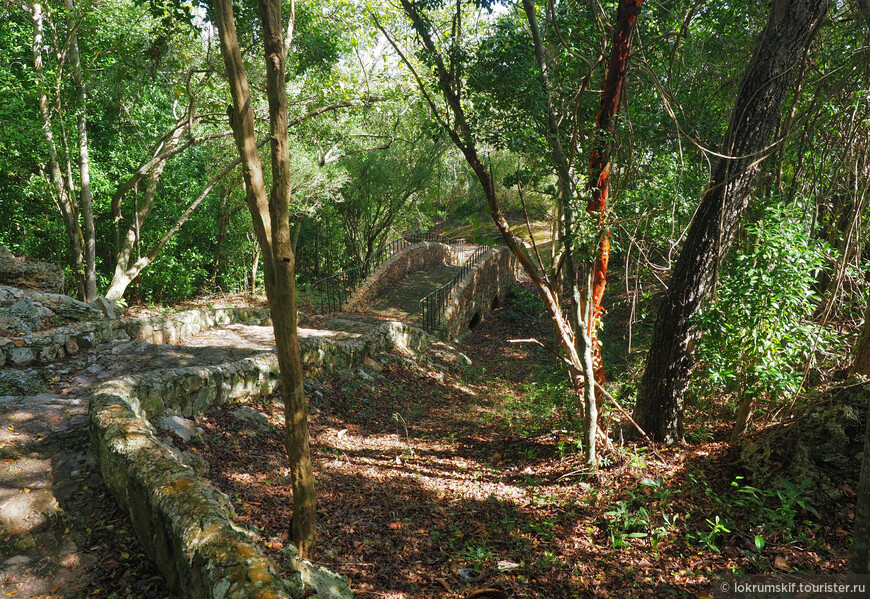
(599, 167)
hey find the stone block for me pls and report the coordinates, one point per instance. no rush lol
(183, 427)
(48, 352)
(107, 307)
(21, 356)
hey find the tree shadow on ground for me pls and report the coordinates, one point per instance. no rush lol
(83, 543)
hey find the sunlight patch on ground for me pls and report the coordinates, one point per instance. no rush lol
(326, 333)
(392, 457)
(240, 477)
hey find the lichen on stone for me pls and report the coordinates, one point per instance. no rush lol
(821, 447)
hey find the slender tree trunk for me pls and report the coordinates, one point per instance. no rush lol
(224, 216)
(255, 263)
(790, 30)
(125, 271)
(283, 302)
(126, 268)
(61, 197)
(272, 227)
(859, 563)
(460, 132)
(317, 227)
(588, 294)
(584, 386)
(86, 197)
(861, 364)
(599, 168)
(744, 410)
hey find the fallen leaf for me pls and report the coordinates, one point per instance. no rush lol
(780, 563)
(505, 565)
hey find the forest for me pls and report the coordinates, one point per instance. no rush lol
(672, 398)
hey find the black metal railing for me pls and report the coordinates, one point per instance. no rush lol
(433, 305)
(333, 291)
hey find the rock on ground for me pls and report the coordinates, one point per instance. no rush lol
(21, 381)
(30, 274)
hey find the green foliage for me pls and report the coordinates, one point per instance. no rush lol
(374, 201)
(175, 276)
(708, 538)
(644, 515)
(782, 511)
(477, 555)
(775, 509)
(524, 305)
(757, 333)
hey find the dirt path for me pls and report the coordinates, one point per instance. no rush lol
(436, 478)
(60, 533)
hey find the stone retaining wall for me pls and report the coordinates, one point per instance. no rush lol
(396, 268)
(474, 297)
(47, 346)
(184, 523)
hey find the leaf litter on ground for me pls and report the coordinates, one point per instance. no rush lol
(440, 480)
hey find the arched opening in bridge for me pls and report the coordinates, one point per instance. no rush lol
(475, 320)
(496, 302)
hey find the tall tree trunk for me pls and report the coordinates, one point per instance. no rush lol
(588, 293)
(283, 295)
(86, 197)
(271, 219)
(460, 132)
(61, 196)
(790, 29)
(599, 168)
(861, 364)
(584, 386)
(859, 563)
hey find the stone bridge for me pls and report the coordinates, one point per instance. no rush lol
(445, 288)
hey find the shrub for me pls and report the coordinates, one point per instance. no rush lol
(757, 333)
